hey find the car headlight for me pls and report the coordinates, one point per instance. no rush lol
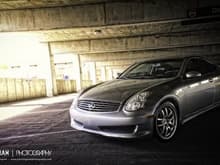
(136, 102)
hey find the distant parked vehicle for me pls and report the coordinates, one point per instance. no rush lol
(149, 97)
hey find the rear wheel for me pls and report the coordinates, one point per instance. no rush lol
(166, 121)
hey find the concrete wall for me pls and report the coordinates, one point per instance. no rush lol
(66, 86)
(86, 83)
(115, 54)
(19, 89)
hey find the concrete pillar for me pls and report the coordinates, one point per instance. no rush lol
(48, 70)
(93, 72)
(52, 71)
(103, 73)
(79, 73)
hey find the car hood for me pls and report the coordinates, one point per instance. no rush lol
(120, 89)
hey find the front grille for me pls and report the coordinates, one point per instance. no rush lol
(97, 106)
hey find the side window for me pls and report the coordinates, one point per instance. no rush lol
(200, 66)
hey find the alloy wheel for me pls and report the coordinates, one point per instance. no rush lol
(166, 121)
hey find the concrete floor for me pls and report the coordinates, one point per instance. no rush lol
(45, 126)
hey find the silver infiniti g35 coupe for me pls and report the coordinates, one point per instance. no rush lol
(149, 97)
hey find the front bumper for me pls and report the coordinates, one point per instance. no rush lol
(112, 124)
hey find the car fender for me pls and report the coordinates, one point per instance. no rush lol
(169, 97)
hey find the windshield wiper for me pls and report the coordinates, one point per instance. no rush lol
(138, 75)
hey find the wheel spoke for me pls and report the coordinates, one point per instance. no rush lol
(171, 117)
(163, 129)
(171, 113)
(161, 125)
(166, 112)
(163, 113)
(172, 120)
(159, 119)
(167, 131)
(171, 128)
(171, 124)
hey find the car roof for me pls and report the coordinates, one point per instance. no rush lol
(170, 59)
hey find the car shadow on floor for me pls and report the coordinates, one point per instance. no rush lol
(201, 134)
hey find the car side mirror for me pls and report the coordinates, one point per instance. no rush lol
(193, 74)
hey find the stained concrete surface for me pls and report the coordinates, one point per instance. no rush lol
(48, 128)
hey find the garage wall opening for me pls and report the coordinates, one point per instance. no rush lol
(24, 71)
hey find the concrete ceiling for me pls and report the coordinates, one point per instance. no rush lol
(24, 4)
(70, 33)
(115, 31)
(108, 31)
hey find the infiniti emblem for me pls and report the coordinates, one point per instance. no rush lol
(91, 106)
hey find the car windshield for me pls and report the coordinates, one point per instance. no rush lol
(156, 69)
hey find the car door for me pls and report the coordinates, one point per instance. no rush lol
(199, 90)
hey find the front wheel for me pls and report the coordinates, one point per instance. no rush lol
(166, 121)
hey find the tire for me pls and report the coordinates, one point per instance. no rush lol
(166, 121)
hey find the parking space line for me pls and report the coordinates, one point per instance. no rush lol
(48, 111)
(37, 134)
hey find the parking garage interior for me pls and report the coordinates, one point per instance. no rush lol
(50, 50)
